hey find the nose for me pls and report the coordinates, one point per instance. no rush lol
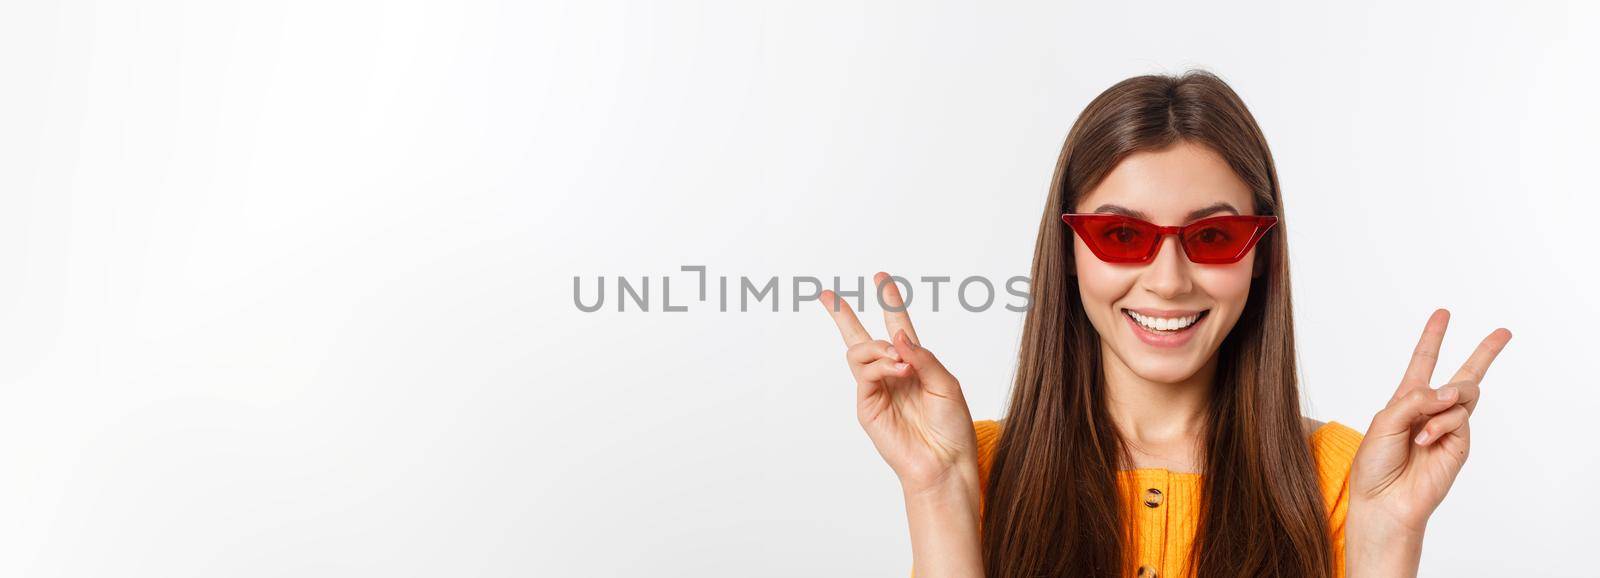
(1168, 275)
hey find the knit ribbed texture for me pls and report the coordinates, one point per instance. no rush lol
(1165, 531)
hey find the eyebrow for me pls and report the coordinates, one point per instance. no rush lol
(1216, 207)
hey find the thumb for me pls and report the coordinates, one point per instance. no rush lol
(935, 378)
(1421, 402)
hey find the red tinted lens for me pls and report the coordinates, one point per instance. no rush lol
(1217, 240)
(1114, 238)
(1222, 239)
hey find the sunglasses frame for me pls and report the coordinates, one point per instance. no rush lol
(1263, 223)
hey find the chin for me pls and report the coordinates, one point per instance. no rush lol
(1165, 371)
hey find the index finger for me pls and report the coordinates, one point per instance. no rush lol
(895, 320)
(1477, 364)
(1426, 355)
(849, 327)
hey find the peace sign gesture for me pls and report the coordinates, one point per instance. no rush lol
(1418, 443)
(910, 406)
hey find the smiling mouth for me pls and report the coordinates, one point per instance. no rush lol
(1160, 325)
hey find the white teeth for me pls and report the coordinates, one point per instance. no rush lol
(1163, 323)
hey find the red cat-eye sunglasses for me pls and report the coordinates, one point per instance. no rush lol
(1123, 239)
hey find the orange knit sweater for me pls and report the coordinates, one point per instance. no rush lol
(1166, 504)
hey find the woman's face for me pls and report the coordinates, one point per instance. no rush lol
(1174, 186)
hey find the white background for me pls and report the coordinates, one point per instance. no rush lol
(286, 288)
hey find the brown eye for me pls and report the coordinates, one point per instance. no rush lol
(1122, 235)
(1212, 235)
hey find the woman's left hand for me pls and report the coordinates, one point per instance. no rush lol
(1415, 447)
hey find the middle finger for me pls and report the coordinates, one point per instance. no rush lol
(894, 320)
(1426, 355)
(1477, 364)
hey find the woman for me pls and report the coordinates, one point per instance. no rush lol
(1154, 427)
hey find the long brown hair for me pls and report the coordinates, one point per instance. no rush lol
(1052, 506)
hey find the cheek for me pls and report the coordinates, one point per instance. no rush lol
(1228, 285)
(1099, 282)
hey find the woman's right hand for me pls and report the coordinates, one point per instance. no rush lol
(907, 402)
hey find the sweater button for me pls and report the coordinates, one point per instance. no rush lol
(1152, 499)
(1147, 572)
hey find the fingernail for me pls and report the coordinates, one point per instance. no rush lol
(889, 351)
(1445, 393)
(1422, 438)
(898, 367)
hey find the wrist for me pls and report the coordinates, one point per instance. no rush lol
(958, 484)
(1380, 522)
(943, 515)
(1380, 545)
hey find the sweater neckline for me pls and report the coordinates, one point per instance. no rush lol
(1146, 473)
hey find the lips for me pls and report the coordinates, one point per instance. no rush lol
(1165, 323)
(1166, 339)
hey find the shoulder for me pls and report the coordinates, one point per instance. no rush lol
(988, 433)
(1333, 447)
(1333, 443)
